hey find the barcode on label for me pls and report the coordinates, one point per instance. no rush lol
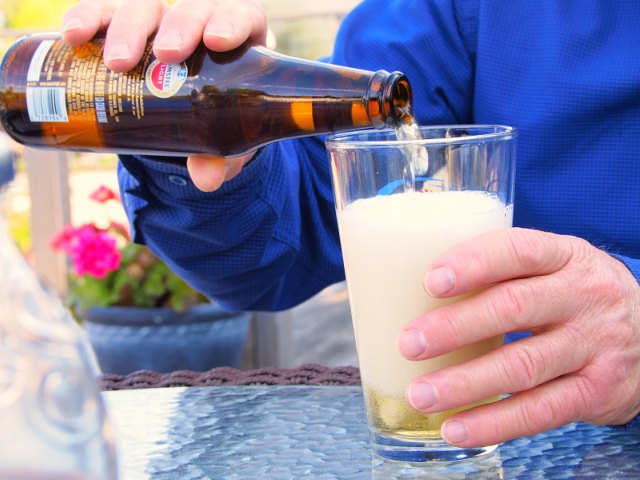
(47, 104)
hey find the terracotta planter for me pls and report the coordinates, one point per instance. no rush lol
(126, 339)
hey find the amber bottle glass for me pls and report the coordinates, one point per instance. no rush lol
(56, 96)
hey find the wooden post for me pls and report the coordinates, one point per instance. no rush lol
(47, 172)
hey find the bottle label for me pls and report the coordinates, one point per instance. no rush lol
(44, 103)
(71, 84)
(164, 80)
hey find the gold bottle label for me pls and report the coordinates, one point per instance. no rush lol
(72, 84)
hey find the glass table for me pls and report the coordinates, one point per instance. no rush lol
(319, 432)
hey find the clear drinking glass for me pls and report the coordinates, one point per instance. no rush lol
(400, 204)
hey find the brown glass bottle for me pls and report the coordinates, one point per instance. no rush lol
(56, 96)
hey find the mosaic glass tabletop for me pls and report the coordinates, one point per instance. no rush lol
(319, 432)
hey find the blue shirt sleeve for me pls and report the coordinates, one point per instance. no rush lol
(266, 240)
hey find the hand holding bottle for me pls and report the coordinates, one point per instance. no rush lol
(221, 24)
(212, 106)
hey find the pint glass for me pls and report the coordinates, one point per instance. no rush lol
(401, 204)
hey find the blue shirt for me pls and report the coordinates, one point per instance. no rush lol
(565, 73)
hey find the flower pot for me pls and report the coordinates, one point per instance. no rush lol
(126, 339)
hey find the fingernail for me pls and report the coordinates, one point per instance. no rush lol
(411, 343)
(72, 24)
(220, 29)
(454, 432)
(118, 50)
(169, 41)
(439, 281)
(422, 395)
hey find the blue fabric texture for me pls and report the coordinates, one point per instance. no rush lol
(565, 73)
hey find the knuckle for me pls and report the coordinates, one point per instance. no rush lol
(619, 298)
(255, 6)
(540, 414)
(523, 367)
(512, 302)
(605, 393)
(466, 384)
(99, 6)
(147, 5)
(125, 24)
(180, 16)
(240, 8)
(456, 334)
(524, 248)
(579, 248)
(100, 12)
(584, 394)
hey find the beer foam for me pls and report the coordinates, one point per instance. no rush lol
(388, 243)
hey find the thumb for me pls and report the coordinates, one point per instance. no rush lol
(207, 171)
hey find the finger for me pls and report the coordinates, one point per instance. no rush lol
(129, 32)
(82, 21)
(233, 22)
(497, 256)
(548, 406)
(518, 305)
(513, 368)
(181, 30)
(207, 171)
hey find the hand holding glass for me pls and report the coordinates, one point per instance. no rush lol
(400, 204)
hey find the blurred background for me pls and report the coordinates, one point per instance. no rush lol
(51, 189)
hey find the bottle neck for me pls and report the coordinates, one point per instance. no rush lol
(389, 100)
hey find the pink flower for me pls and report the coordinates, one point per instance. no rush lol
(103, 194)
(63, 241)
(94, 253)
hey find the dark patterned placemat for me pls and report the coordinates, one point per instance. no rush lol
(304, 375)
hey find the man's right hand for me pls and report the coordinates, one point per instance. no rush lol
(221, 24)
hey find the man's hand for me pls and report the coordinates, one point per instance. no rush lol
(582, 362)
(221, 24)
